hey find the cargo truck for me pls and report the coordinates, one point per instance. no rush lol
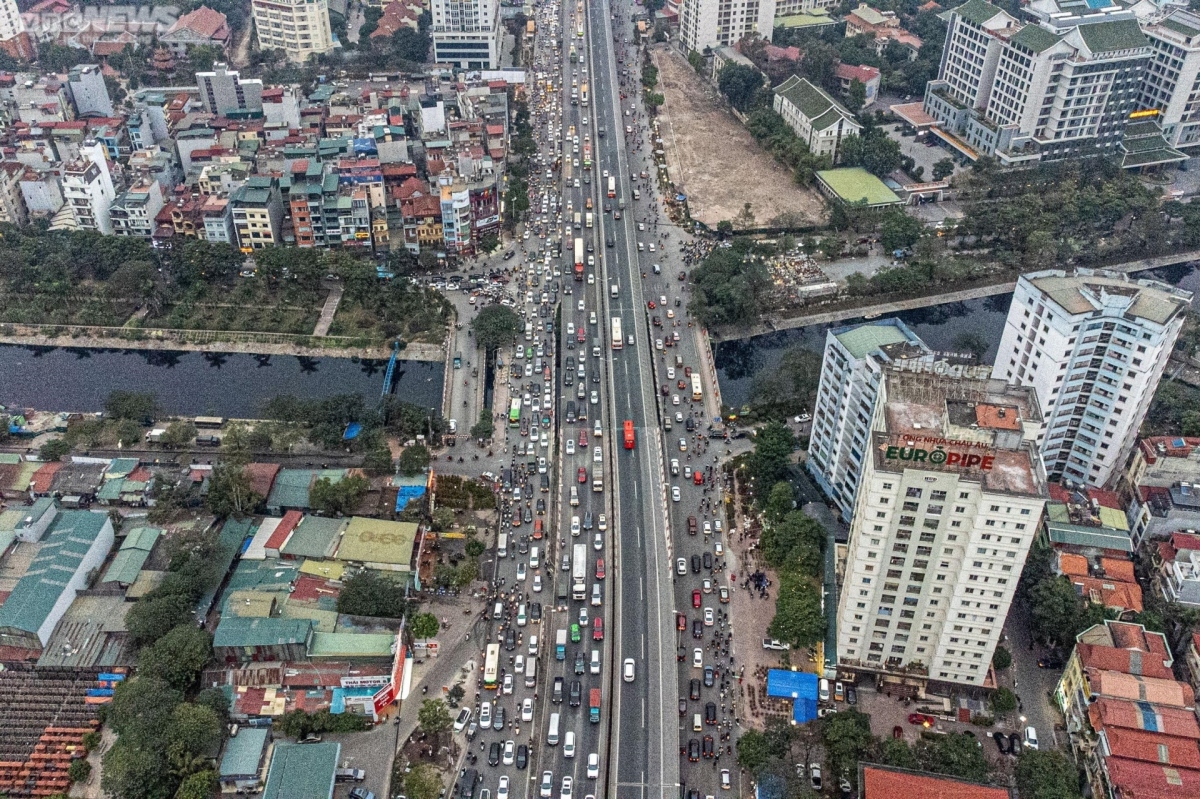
(579, 572)
(560, 645)
(594, 706)
(579, 259)
(612, 186)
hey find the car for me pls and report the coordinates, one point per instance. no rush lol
(708, 746)
(575, 526)
(485, 715)
(693, 751)
(839, 691)
(1001, 742)
(527, 709)
(682, 706)
(598, 629)
(581, 475)
(576, 635)
(362, 793)
(706, 585)
(598, 542)
(695, 564)
(576, 693)
(521, 572)
(546, 789)
(565, 791)
(498, 721)
(723, 594)
(464, 716)
(506, 687)
(627, 670)
(494, 754)
(924, 719)
(522, 757)
(537, 583)
(1014, 743)
(851, 694)
(693, 689)
(693, 526)
(599, 568)
(683, 445)
(697, 628)
(472, 730)
(708, 561)
(1031, 739)
(510, 754)
(814, 772)
(697, 658)
(681, 566)
(708, 617)
(675, 468)
(580, 662)
(602, 522)
(593, 766)
(898, 732)
(710, 676)
(710, 713)
(696, 598)
(726, 783)
(1050, 662)
(570, 447)
(535, 611)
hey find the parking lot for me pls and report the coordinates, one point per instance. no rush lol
(371, 751)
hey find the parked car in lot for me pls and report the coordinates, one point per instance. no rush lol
(924, 719)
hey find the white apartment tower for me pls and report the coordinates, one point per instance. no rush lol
(1172, 82)
(87, 188)
(950, 501)
(854, 360)
(300, 28)
(1093, 345)
(1062, 86)
(467, 33)
(723, 23)
(14, 38)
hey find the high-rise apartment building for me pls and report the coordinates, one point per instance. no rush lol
(226, 94)
(854, 360)
(88, 190)
(300, 28)
(723, 23)
(1061, 86)
(1093, 345)
(1172, 81)
(948, 506)
(14, 38)
(467, 33)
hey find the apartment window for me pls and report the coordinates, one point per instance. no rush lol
(913, 493)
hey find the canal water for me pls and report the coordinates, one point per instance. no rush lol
(199, 383)
(739, 361)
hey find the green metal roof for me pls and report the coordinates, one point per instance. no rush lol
(1035, 38)
(1098, 537)
(1179, 27)
(120, 467)
(132, 555)
(812, 102)
(1105, 37)
(976, 11)
(865, 339)
(111, 490)
(71, 535)
(855, 185)
(314, 537)
(351, 645)
(236, 632)
(243, 752)
(378, 541)
(302, 771)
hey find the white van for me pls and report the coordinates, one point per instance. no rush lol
(574, 496)
(569, 744)
(823, 691)
(533, 646)
(522, 618)
(530, 672)
(502, 545)
(615, 290)
(529, 331)
(697, 723)
(595, 667)
(498, 611)
(552, 733)
(535, 555)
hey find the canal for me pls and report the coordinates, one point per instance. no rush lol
(740, 361)
(234, 385)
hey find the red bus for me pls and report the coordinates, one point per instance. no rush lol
(629, 437)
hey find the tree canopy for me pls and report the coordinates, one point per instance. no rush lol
(495, 326)
(368, 594)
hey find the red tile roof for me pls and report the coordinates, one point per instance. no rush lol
(1072, 565)
(1185, 541)
(44, 477)
(1118, 569)
(285, 528)
(1110, 593)
(1106, 658)
(880, 782)
(204, 21)
(1174, 721)
(1136, 779)
(1154, 747)
(262, 477)
(862, 73)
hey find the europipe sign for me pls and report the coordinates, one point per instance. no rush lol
(942, 452)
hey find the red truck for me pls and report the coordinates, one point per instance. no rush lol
(594, 706)
(630, 439)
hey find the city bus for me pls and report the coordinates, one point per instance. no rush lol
(630, 438)
(514, 412)
(697, 391)
(618, 340)
(491, 666)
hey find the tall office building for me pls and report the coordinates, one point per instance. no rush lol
(854, 360)
(226, 94)
(1061, 86)
(300, 28)
(723, 23)
(467, 33)
(1093, 345)
(949, 504)
(1172, 81)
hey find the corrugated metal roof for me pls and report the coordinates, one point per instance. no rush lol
(363, 645)
(314, 537)
(302, 771)
(1088, 537)
(378, 541)
(243, 631)
(243, 752)
(134, 551)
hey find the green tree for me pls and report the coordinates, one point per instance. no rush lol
(485, 428)
(771, 459)
(798, 618)
(179, 434)
(697, 61)
(425, 625)
(423, 781)
(434, 718)
(152, 617)
(215, 700)
(739, 83)
(856, 95)
(1056, 610)
(1047, 774)
(475, 548)
(413, 460)
(338, 498)
(79, 770)
(847, 738)
(141, 709)
(495, 326)
(131, 772)
(780, 502)
(54, 449)
(195, 730)
(1002, 659)
(1004, 701)
(795, 540)
(954, 754)
(943, 169)
(753, 750)
(489, 243)
(896, 752)
(229, 492)
(899, 231)
(178, 657)
(873, 150)
(200, 785)
(368, 594)
(378, 458)
(133, 405)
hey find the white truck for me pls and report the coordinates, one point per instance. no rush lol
(579, 572)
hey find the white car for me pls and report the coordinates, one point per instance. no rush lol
(574, 525)
(593, 768)
(670, 372)
(509, 756)
(519, 664)
(597, 455)
(546, 789)
(595, 397)
(567, 785)
(683, 445)
(521, 570)
(708, 617)
(541, 465)
(537, 583)
(502, 786)
(527, 709)
(602, 523)
(674, 467)
(627, 670)
(570, 446)
(464, 716)
(507, 686)
(597, 429)
(598, 542)
(583, 617)
(697, 658)
(485, 715)
(681, 566)
(1031, 739)
(675, 493)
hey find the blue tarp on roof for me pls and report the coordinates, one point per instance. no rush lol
(406, 494)
(352, 431)
(800, 687)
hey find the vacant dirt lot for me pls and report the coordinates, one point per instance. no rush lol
(715, 159)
